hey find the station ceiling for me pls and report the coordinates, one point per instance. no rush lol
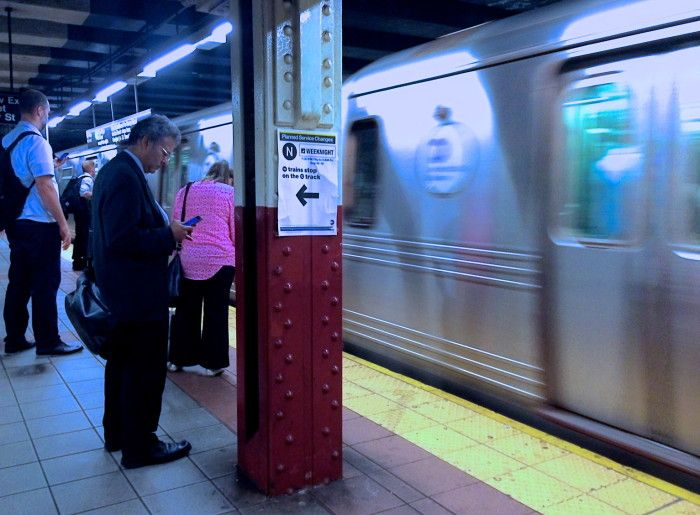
(67, 48)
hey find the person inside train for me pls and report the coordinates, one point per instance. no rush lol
(208, 265)
(131, 243)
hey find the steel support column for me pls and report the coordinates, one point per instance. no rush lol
(286, 74)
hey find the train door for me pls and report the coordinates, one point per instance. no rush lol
(625, 291)
(600, 247)
(682, 250)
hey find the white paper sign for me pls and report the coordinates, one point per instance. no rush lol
(307, 184)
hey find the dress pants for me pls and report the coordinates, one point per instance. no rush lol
(193, 342)
(35, 272)
(82, 233)
(134, 382)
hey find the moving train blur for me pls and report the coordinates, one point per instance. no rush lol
(522, 214)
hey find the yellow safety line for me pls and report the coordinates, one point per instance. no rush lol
(584, 453)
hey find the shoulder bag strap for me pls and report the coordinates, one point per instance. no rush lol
(184, 201)
(14, 144)
(178, 247)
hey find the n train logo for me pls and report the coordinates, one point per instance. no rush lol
(289, 151)
(448, 156)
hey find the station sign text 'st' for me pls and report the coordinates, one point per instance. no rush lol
(114, 133)
(307, 183)
(9, 108)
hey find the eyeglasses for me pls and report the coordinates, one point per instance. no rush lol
(166, 154)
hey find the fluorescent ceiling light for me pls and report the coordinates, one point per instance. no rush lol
(78, 108)
(151, 69)
(53, 122)
(110, 90)
(217, 37)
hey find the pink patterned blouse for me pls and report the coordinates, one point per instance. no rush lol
(213, 238)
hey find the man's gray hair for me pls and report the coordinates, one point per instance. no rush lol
(154, 128)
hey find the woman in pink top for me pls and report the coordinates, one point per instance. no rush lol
(208, 266)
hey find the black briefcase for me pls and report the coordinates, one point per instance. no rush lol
(90, 315)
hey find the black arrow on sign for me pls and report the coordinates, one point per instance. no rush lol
(302, 195)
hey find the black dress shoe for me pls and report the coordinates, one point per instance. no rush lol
(60, 349)
(11, 348)
(160, 452)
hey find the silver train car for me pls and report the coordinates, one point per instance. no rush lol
(522, 216)
(207, 137)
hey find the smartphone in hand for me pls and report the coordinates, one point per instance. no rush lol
(192, 221)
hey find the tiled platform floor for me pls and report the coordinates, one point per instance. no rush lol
(408, 449)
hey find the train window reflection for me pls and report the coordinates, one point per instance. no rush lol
(360, 174)
(690, 157)
(603, 162)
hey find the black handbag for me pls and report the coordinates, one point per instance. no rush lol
(90, 315)
(175, 266)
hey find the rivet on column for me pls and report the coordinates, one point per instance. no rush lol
(335, 336)
(287, 251)
(277, 307)
(325, 320)
(280, 414)
(335, 369)
(335, 266)
(289, 395)
(277, 270)
(289, 358)
(325, 249)
(288, 324)
(325, 388)
(334, 301)
(308, 475)
(325, 285)
(289, 439)
(287, 287)
(325, 353)
(277, 343)
(280, 467)
(279, 378)
(326, 431)
(335, 404)
(335, 455)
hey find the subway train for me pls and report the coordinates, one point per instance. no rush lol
(522, 216)
(207, 137)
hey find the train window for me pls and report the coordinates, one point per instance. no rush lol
(360, 174)
(689, 110)
(602, 160)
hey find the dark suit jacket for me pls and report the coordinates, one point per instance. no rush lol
(130, 243)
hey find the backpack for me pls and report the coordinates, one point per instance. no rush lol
(71, 201)
(13, 194)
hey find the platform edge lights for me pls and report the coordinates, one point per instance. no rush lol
(216, 37)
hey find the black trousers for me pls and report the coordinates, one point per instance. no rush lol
(193, 342)
(82, 234)
(35, 272)
(134, 383)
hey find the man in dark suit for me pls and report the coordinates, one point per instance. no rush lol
(131, 244)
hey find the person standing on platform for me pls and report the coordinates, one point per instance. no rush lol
(208, 265)
(131, 243)
(82, 216)
(35, 237)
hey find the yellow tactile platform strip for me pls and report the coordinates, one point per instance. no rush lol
(541, 471)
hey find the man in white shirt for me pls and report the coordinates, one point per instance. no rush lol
(35, 237)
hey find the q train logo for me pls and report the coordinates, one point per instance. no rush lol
(448, 157)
